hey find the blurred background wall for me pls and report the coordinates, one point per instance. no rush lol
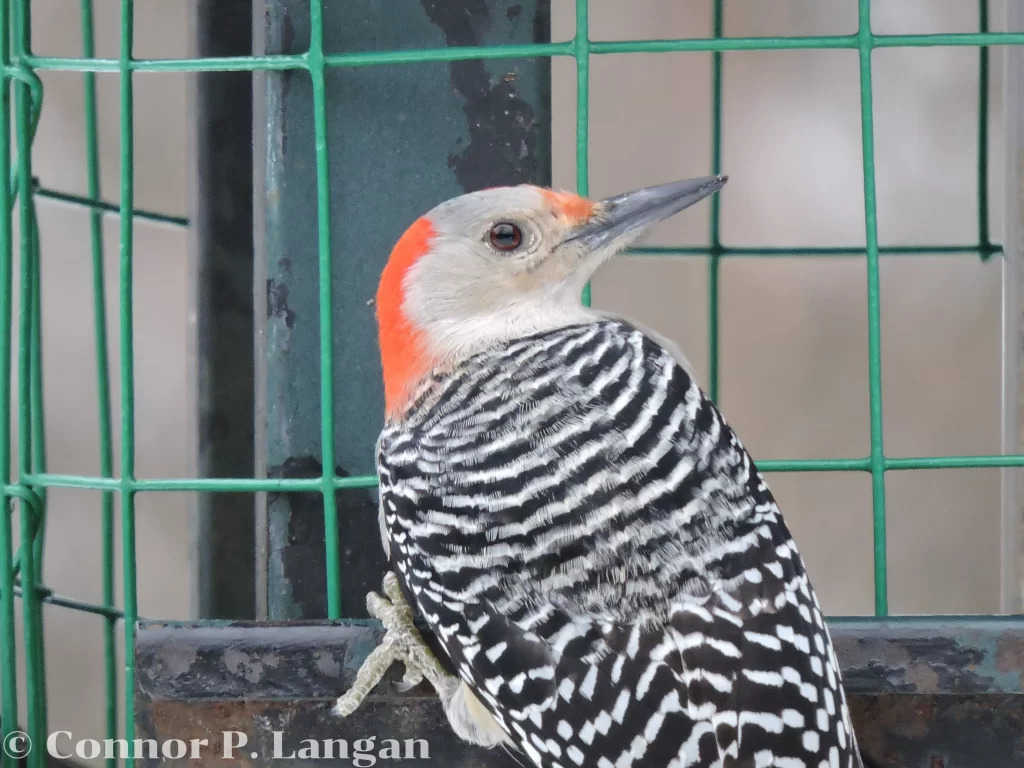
(794, 330)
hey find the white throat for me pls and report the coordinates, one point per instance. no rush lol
(450, 339)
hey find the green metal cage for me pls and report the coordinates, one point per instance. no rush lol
(21, 405)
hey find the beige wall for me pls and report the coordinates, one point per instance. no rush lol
(794, 330)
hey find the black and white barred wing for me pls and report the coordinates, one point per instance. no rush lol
(716, 684)
(602, 563)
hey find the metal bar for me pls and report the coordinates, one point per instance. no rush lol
(399, 141)
(261, 82)
(222, 253)
(1011, 598)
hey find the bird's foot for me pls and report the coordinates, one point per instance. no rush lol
(402, 642)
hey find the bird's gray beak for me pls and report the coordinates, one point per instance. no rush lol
(616, 218)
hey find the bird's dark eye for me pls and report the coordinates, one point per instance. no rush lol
(506, 236)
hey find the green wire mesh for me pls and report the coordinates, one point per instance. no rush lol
(21, 561)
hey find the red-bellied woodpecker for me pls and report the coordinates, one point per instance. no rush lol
(606, 576)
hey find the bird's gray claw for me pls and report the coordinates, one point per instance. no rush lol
(410, 680)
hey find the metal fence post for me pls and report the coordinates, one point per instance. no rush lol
(222, 247)
(402, 137)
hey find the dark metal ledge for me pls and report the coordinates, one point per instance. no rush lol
(931, 655)
(934, 692)
(317, 659)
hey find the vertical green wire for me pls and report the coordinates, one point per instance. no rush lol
(32, 614)
(865, 45)
(31, 519)
(36, 380)
(323, 202)
(106, 451)
(38, 465)
(715, 257)
(581, 49)
(22, 114)
(8, 657)
(36, 384)
(131, 608)
(984, 241)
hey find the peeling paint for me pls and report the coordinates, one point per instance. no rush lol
(918, 658)
(177, 659)
(327, 664)
(500, 121)
(922, 677)
(277, 303)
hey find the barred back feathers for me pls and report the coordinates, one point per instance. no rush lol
(602, 563)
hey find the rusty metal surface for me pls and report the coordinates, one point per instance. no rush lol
(273, 685)
(204, 679)
(940, 731)
(277, 733)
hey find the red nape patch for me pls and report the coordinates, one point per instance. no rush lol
(567, 204)
(403, 352)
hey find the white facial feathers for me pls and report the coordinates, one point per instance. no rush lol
(466, 294)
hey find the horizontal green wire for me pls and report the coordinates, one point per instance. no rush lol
(810, 42)
(893, 250)
(655, 250)
(114, 208)
(48, 596)
(205, 484)
(984, 250)
(253, 485)
(973, 620)
(366, 58)
(223, 64)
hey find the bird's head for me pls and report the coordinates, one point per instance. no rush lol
(503, 263)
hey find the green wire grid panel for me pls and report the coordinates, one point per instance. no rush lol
(21, 412)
